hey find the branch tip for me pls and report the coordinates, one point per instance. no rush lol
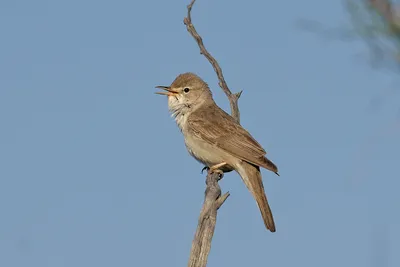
(238, 94)
(203, 51)
(222, 199)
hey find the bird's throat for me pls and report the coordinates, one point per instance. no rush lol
(179, 111)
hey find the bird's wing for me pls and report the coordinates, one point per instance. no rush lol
(218, 128)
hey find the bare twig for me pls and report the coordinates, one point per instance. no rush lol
(213, 200)
(233, 98)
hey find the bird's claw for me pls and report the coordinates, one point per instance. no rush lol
(205, 168)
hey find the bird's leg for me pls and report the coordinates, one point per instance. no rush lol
(215, 168)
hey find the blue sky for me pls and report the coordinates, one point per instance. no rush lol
(94, 172)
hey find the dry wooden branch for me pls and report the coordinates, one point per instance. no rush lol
(233, 98)
(213, 200)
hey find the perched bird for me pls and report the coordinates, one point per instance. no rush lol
(215, 139)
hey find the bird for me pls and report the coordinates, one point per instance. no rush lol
(216, 139)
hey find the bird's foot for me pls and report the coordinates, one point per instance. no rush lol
(219, 172)
(215, 169)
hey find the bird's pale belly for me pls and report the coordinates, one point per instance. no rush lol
(208, 154)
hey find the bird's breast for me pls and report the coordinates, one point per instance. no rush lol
(205, 152)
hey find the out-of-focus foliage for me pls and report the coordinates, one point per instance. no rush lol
(377, 22)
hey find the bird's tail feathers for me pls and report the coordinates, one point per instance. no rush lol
(269, 165)
(251, 176)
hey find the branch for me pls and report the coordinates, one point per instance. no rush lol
(213, 200)
(233, 98)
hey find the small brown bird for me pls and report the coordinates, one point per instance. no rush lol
(215, 139)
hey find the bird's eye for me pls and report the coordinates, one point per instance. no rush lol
(186, 90)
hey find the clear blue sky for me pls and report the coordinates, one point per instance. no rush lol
(94, 172)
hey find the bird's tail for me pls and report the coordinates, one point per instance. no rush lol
(251, 176)
(269, 165)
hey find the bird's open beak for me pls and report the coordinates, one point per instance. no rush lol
(169, 92)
